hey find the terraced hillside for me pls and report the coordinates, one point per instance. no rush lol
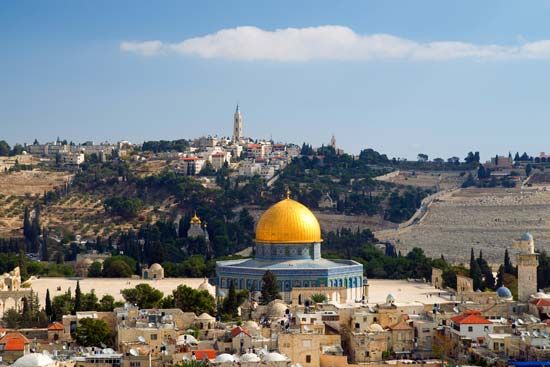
(487, 219)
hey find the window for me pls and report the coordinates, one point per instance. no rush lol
(135, 364)
(308, 359)
(153, 336)
(470, 328)
(486, 328)
(367, 354)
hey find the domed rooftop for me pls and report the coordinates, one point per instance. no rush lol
(224, 358)
(34, 360)
(527, 237)
(249, 357)
(504, 292)
(206, 286)
(276, 308)
(274, 357)
(251, 325)
(376, 328)
(390, 298)
(155, 266)
(288, 221)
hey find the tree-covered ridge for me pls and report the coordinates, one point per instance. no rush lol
(349, 181)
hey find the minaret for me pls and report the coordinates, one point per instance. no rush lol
(237, 125)
(333, 142)
(528, 262)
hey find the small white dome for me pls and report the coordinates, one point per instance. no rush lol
(34, 360)
(527, 237)
(276, 308)
(186, 340)
(251, 325)
(224, 358)
(250, 357)
(155, 266)
(390, 299)
(205, 317)
(206, 286)
(376, 328)
(274, 357)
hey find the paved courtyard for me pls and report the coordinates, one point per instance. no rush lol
(403, 291)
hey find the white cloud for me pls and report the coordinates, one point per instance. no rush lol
(147, 48)
(329, 43)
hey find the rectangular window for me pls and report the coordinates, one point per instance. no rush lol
(470, 328)
(135, 364)
(153, 336)
(308, 359)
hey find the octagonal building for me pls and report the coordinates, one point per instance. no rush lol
(288, 243)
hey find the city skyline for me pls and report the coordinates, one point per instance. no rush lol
(400, 78)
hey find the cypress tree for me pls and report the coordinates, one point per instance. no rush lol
(508, 267)
(270, 288)
(230, 306)
(48, 302)
(26, 223)
(77, 298)
(500, 277)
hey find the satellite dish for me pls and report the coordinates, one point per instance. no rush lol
(103, 345)
(141, 339)
(134, 352)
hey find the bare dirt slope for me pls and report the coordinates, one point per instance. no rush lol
(487, 219)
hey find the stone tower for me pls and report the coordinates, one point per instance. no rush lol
(333, 142)
(237, 125)
(528, 262)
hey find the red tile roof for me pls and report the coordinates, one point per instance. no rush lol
(470, 317)
(541, 302)
(401, 325)
(238, 330)
(202, 354)
(55, 326)
(14, 341)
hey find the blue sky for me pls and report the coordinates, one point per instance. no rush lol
(446, 77)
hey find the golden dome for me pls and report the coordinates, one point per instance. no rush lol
(195, 219)
(288, 221)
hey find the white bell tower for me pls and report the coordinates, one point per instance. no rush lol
(237, 125)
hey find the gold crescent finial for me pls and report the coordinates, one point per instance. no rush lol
(287, 192)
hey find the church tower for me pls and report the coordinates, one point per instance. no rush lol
(237, 125)
(528, 262)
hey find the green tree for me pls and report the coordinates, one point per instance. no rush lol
(4, 148)
(500, 277)
(191, 300)
(143, 295)
(508, 266)
(117, 269)
(318, 298)
(475, 272)
(11, 318)
(107, 303)
(95, 271)
(77, 298)
(49, 310)
(93, 332)
(270, 288)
